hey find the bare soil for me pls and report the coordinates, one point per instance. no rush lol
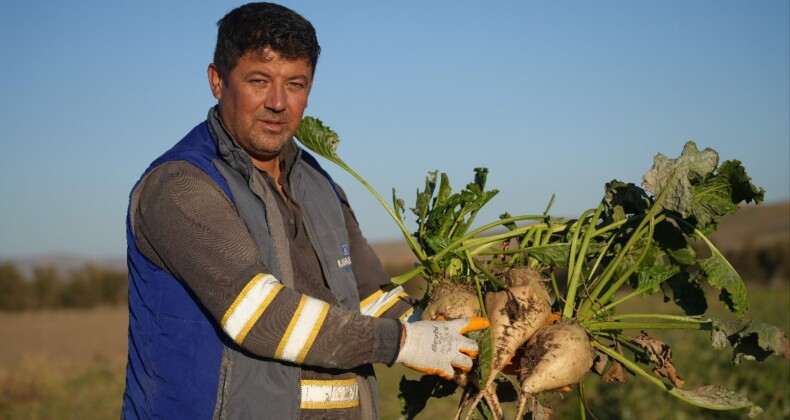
(67, 340)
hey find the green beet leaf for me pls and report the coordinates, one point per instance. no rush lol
(720, 194)
(750, 340)
(318, 138)
(723, 276)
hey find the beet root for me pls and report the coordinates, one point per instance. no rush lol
(451, 302)
(557, 356)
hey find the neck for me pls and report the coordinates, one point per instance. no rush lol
(270, 166)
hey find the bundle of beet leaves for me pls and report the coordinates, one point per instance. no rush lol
(552, 287)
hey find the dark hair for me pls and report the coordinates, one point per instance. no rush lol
(261, 26)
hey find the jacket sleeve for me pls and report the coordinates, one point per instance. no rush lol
(184, 223)
(378, 295)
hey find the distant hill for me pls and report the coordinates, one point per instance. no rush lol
(65, 263)
(760, 225)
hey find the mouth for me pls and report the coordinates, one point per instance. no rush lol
(273, 125)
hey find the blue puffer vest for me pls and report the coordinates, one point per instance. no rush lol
(180, 362)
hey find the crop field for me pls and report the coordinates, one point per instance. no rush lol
(69, 364)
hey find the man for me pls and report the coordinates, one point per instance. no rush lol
(253, 293)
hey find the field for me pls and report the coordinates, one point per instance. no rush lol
(70, 365)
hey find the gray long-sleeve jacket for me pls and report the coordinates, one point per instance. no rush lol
(185, 224)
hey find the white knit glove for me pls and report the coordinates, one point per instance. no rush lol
(435, 347)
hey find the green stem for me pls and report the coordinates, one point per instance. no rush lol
(574, 229)
(652, 212)
(654, 380)
(554, 285)
(681, 318)
(500, 222)
(610, 270)
(620, 281)
(415, 248)
(616, 325)
(403, 278)
(469, 239)
(601, 255)
(528, 236)
(611, 226)
(575, 277)
(481, 266)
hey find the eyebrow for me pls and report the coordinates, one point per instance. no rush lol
(303, 77)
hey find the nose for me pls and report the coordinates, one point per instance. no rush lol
(276, 98)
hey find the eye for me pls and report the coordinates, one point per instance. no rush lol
(296, 86)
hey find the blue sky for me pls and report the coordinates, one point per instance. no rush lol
(553, 97)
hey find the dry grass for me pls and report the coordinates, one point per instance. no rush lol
(62, 364)
(70, 340)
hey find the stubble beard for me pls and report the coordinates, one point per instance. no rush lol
(269, 145)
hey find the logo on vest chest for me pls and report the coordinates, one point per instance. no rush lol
(344, 263)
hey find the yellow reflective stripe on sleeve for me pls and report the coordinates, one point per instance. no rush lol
(302, 330)
(370, 299)
(406, 315)
(320, 394)
(249, 305)
(378, 303)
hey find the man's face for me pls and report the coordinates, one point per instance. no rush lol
(262, 101)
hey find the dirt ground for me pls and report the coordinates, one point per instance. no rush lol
(68, 340)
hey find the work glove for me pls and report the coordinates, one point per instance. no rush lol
(436, 347)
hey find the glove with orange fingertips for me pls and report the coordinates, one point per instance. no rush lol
(437, 347)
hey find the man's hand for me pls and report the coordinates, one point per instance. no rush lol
(436, 347)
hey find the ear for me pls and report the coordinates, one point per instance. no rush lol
(215, 81)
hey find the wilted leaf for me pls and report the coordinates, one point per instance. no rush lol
(540, 412)
(677, 175)
(660, 355)
(616, 373)
(599, 364)
(716, 397)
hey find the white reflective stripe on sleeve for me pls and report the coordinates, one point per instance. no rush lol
(329, 394)
(249, 306)
(378, 303)
(302, 330)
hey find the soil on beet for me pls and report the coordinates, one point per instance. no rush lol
(534, 353)
(452, 301)
(521, 276)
